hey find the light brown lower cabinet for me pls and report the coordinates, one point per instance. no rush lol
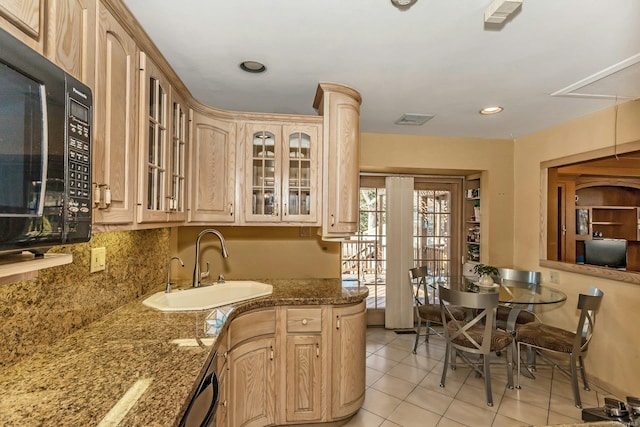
(252, 383)
(348, 360)
(305, 364)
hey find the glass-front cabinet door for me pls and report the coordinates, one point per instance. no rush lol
(282, 173)
(300, 172)
(154, 91)
(177, 163)
(263, 173)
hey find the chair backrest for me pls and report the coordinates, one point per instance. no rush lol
(588, 306)
(534, 277)
(418, 279)
(483, 308)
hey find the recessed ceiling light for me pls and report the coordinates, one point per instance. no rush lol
(490, 110)
(253, 67)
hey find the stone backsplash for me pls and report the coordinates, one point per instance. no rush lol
(35, 313)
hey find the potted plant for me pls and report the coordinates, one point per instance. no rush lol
(485, 273)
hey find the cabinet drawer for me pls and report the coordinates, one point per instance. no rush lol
(252, 324)
(304, 320)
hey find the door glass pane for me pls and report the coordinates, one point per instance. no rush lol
(263, 173)
(432, 231)
(152, 142)
(364, 257)
(152, 97)
(294, 203)
(294, 180)
(258, 174)
(150, 189)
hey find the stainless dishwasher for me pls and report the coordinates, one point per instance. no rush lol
(202, 408)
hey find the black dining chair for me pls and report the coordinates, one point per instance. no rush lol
(546, 338)
(425, 304)
(476, 335)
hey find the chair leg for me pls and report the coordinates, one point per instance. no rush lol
(518, 372)
(487, 379)
(445, 364)
(427, 327)
(574, 382)
(415, 345)
(584, 374)
(510, 365)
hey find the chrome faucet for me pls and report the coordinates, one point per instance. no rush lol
(197, 275)
(169, 282)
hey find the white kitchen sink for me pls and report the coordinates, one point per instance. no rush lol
(206, 297)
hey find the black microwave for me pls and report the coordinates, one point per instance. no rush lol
(45, 152)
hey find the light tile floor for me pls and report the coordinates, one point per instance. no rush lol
(403, 389)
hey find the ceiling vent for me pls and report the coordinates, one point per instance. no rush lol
(499, 10)
(619, 81)
(414, 119)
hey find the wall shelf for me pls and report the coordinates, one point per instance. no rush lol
(26, 262)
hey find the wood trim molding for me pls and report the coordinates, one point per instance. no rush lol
(593, 271)
(265, 117)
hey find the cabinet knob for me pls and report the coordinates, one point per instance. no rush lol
(305, 321)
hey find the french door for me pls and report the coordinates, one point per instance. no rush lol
(436, 236)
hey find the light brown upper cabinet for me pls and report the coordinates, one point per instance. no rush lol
(114, 154)
(25, 20)
(71, 37)
(281, 173)
(213, 170)
(153, 170)
(178, 151)
(340, 106)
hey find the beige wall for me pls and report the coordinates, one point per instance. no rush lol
(458, 156)
(614, 359)
(259, 252)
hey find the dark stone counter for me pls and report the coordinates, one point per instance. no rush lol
(156, 357)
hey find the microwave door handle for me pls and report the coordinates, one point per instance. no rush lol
(45, 149)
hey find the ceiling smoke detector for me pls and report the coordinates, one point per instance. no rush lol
(500, 10)
(414, 119)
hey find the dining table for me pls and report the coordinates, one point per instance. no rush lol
(514, 294)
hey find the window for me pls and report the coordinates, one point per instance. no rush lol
(436, 233)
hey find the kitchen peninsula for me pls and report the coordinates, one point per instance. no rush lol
(159, 357)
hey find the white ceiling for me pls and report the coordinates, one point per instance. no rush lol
(438, 57)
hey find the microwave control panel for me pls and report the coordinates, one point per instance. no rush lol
(78, 132)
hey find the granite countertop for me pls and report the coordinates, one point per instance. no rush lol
(156, 357)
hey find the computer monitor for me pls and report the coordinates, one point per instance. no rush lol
(610, 253)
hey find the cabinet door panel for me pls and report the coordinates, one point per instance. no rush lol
(262, 192)
(252, 384)
(343, 177)
(178, 151)
(115, 149)
(340, 106)
(300, 166)
(349, 335)
(304, 367)
(154, 128)
(71, 37)
(24, 20)
(213, 170)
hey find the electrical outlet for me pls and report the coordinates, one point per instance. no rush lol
(555, 277)
(98, 259)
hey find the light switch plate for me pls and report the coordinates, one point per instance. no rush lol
(98, 259)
